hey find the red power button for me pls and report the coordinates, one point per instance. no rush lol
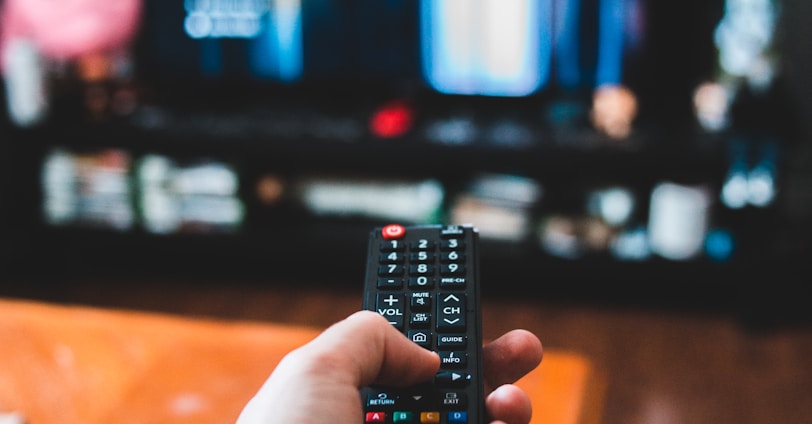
(393, 231)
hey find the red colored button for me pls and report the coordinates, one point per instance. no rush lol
(393, 231)
(376, 417)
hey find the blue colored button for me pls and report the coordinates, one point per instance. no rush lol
(457, 417)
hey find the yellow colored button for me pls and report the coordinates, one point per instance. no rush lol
(430, 417)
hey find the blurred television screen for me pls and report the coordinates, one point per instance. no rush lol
(554, 51)
(278, 41)
(454, 47)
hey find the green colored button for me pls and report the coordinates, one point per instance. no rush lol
(402, 417)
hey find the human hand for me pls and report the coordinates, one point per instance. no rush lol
(320, 381)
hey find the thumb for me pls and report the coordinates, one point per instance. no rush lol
(369, 350)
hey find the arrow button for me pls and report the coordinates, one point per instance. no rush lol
(452, 379)
(451, 313)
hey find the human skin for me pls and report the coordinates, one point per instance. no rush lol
(319, 382)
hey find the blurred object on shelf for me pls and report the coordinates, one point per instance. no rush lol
(108, 189)
(271, 189)
(494, 219)
(614, 205)
(745, 40)
(499, 204)
(747, 61)
(558, 236)
(752, 175)
(574, 237)
(393, 199)
(607, 223)
(87, 189)
(711, 105)
(458, 130)
(392, 119)
(27, 95)
(197, 197)
(597, 234)
(614, 109)
(678, 220)
(631, 244)
(511, 134)
(720, 245)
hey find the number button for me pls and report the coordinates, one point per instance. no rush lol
(452, 269)
(392, 246)
(421, 282)
(422, 244)
(390, 270)
(421, 256)
(452, 244)
(390, 257)
(422, 269)
(452, 256)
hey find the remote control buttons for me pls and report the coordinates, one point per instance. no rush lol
(452, 379)
(422, 280)
(393, 231)
(391, 307)
(451, 312)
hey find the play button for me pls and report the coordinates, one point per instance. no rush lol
(452, 379)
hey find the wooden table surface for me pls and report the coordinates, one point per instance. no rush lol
(662, 366)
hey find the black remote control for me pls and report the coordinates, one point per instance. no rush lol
(425, 281)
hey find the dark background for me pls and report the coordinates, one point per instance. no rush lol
(225, 118)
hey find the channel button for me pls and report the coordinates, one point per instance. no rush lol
(451, 312)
